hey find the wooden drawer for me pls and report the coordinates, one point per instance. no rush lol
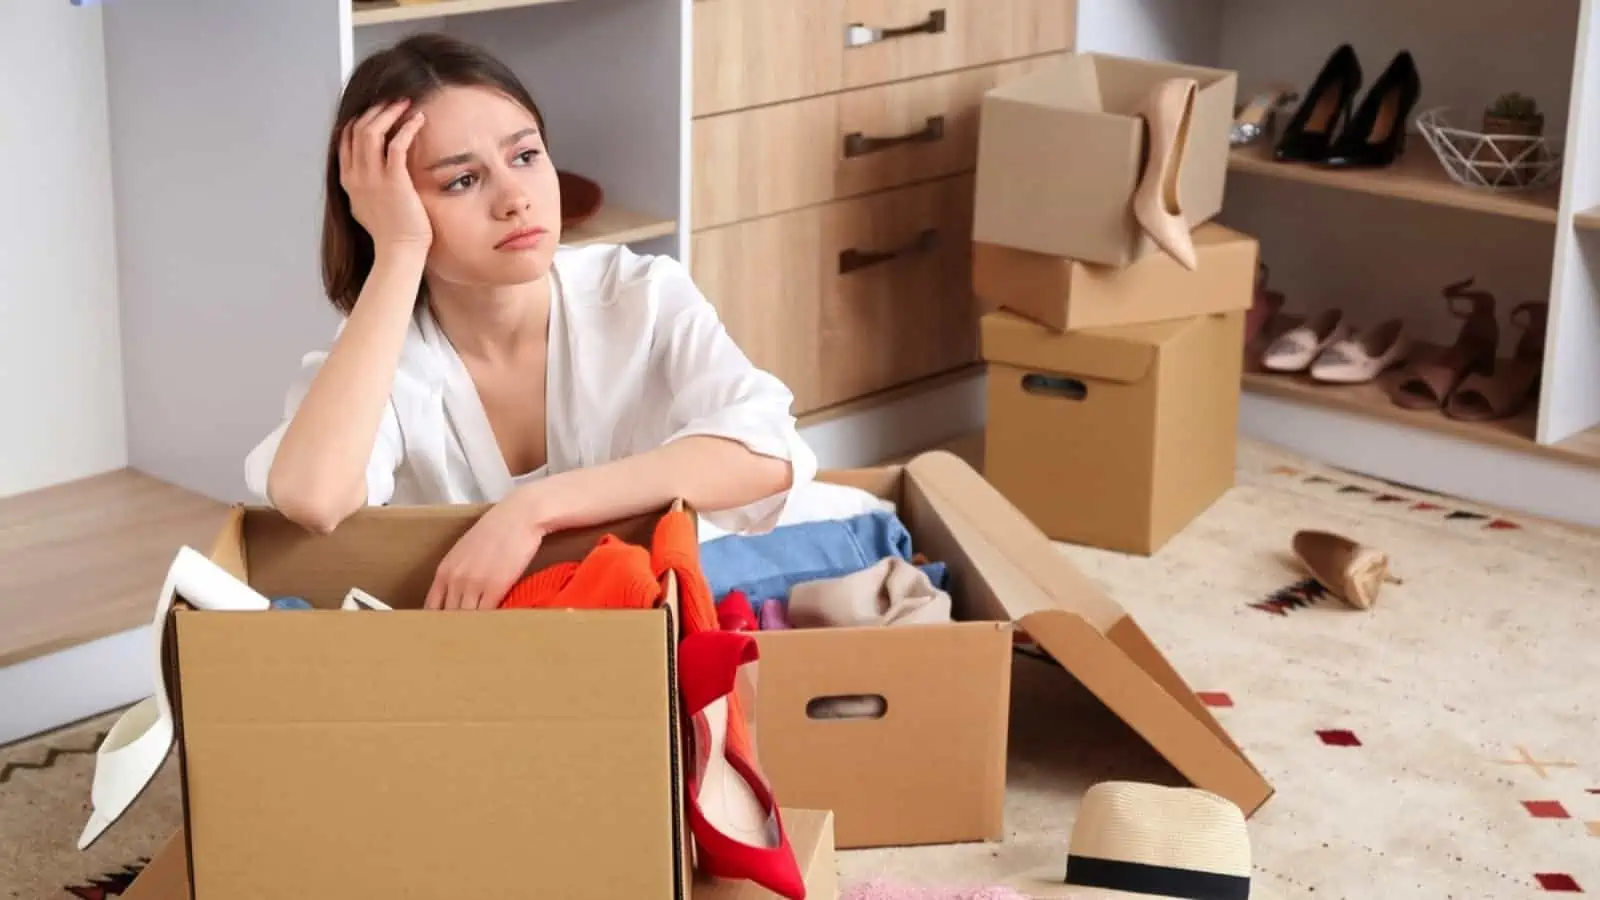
(753, 52)
(850, 297)
(757, 162)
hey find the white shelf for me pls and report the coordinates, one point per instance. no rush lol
(383, 12)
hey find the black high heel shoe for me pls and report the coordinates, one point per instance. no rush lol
(1309, 134)
(1376, 134)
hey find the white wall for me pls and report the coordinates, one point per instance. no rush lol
(1186, 30)
(60, 353)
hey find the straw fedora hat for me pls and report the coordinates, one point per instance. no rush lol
(1137, 841)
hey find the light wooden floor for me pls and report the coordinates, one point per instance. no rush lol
(83, 560)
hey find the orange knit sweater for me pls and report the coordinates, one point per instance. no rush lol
(619, 575)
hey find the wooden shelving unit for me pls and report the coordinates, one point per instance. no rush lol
(382, 12)
(86, 559)
(1340, 239)
(1417, 176)
(1372, 399)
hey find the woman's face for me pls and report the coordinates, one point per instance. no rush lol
(490, 190)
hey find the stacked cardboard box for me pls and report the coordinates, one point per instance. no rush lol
(1113, 369)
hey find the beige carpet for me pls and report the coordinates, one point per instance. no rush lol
(1444, 744)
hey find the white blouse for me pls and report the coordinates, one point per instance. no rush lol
(637, 357)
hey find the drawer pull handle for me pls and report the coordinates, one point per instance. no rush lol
(853, 259)
(859, 35)
(858, 144)
(1055, 386)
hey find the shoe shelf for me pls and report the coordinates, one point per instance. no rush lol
(380, 12)
(1372, 399)
(1416, 176)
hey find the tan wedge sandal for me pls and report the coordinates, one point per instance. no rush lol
(1349, 571)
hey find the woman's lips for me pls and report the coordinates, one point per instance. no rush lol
(521, 239)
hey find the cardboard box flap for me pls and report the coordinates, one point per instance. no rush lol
(1085, 631)
(1072, 83)
(1124, 353)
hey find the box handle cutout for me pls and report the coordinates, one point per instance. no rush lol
(859, 35)
(1055, 386)
(847, 706)
(858, 144)
(852, 259)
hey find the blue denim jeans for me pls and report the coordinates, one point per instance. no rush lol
(765, 566)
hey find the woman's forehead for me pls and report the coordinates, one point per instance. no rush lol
(457, 116)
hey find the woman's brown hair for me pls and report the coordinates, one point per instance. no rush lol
(412, 69)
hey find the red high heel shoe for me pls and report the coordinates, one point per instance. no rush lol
(732, 812)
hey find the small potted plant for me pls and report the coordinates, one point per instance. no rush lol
(1514, 113)
(1512, 122)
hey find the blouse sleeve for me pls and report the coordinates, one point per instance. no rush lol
(717, 391)
(386, 449)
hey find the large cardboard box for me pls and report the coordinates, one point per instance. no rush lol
(931, 767)
(411, 753)
(810, 834)
(1113, 437)
(1061, 151)
(1066, 294)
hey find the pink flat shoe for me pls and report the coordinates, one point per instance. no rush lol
(1362, 358)
(1296, 349)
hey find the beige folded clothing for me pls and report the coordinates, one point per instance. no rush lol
(892, 592)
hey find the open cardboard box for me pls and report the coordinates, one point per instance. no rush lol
(810, 833)
(931, 767)
(1062, 150)
(328, 753)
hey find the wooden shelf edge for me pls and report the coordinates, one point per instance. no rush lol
(1417, 177)
(1588, 220)
(617, 225)
(1370, 400)
(380, 12)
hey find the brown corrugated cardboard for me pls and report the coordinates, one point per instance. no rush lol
(1025, 579)
(944, 685)
(1113, 437)
(948, 686)
(810, 833)
(412, 753)
(1066, 294)
(1060, 152)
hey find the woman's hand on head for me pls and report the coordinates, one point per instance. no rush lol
(372, 169)
(488, 560)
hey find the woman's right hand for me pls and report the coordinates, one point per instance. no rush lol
(374, 174)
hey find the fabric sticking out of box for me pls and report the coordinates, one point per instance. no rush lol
(889, 592)
(768, 568)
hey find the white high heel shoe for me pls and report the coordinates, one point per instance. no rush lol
(138, 744)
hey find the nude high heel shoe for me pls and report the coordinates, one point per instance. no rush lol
(1350, 571)
(1167, 111)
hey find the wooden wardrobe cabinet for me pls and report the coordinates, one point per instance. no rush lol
(831, 179)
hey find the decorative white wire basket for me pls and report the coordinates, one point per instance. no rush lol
(1497, 162)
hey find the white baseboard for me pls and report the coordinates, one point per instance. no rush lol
(50, 691)
(894, 430)
(1521, 482)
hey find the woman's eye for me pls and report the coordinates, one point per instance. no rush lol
(460, 182)
(527, 157)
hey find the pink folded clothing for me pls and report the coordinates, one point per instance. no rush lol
(891, 592)
(774, 615)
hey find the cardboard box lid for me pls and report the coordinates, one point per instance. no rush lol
(1084, 630)
(1099, 83)
(1121, 353)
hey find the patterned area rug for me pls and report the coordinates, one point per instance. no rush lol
(1442, 744)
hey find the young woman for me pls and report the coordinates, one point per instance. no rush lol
(478, 362)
